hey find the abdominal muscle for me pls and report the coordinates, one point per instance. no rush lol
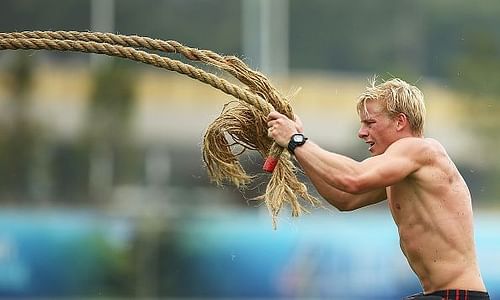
(436, 236)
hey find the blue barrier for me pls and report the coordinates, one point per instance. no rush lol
(228, 255)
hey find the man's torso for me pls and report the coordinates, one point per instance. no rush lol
(432, 209)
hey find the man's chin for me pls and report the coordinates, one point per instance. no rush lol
(374, 152)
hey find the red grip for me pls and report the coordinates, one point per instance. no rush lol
(270, 164)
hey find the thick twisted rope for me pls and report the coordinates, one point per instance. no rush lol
(139, 56)
(244, 122)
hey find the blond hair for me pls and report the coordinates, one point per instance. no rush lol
(397, 96)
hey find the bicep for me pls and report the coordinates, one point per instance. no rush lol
(385, 170)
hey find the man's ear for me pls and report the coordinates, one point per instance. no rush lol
(401, 121)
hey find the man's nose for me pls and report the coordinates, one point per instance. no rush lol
(362, 132)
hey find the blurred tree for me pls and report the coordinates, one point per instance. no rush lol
(19, 15)
(113, 158)
(361, 36)
(477, 71)
(111, 102)
(69, 172)
(207, 24)
(18, 134)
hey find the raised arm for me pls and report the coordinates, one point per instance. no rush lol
(343, 173)
(344, 182)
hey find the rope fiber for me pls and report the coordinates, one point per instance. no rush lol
(241, 125)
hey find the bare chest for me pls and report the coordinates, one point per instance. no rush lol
(403, 200)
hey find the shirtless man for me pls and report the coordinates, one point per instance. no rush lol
(428, 198)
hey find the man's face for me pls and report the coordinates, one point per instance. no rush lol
(377, 129)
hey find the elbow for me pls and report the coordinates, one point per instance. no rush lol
(345, 206)
(342, 202)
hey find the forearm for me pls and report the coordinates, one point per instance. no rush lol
(327, 172)
(333, 169)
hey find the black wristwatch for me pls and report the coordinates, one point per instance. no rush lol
(296, 140)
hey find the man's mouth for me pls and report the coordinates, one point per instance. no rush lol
(371, 144)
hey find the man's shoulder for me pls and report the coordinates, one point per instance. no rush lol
(419, 143)
(418, 147)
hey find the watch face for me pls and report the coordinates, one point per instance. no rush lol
(298, 138)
